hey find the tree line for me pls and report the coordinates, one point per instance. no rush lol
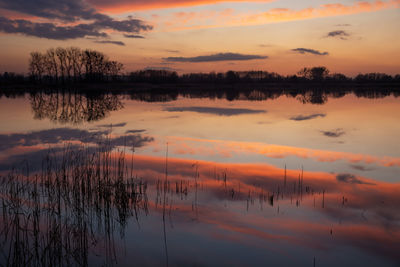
(72, 64)
(316, 74)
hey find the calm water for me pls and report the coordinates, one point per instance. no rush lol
(278, 180)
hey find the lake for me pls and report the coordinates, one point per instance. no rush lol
(148, 179)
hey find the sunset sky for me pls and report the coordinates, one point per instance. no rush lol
(347, 36)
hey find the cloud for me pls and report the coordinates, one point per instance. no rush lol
(360, 167)
(213, 19)
(135, 131)
(322, 11)
(129, 25)
(226, 149)
(59, 135)
(216, 111)
(265, 45)
(350, 178)
(133, 36)
(83, 20)
(52, 136)
(343, 25)
(334, 133)
(307, 117)
(111, 42)
(121, 6)
(171, 51)
(53, 31)
(215, 57)
(264, 122)
(172, 117)
(64, 10)
(122, 124)
(35, 155)
(49, 30)
(339, 34)
(136, 140)
(309, 51)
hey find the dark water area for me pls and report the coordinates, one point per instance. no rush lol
(203, 178)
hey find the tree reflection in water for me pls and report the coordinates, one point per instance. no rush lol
(68, 107)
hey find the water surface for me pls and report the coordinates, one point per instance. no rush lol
(192, 180)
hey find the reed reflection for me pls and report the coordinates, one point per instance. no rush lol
(69, 210)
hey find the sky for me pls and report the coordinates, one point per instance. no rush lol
(283, 36)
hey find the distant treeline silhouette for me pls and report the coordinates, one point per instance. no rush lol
(314, 74)
(73, 65)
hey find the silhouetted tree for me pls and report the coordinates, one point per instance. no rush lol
(315, 73)
(37, 65)
(68, 63)
(51, 63)
(231, 76)
(61, 55)
(74, 55)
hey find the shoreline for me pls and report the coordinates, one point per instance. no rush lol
(185, 86)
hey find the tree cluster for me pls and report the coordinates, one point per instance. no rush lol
(72, 64)
(315, 73)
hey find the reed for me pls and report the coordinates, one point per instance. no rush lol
(70, 208)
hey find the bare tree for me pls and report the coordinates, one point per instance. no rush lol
(67, 62)
(61, 54)
(36, 65)
(76, 56)
(51, 63)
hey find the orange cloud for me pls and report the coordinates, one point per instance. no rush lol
(201, 20)
(371, 235)
(121, 6)
(207, 147)
(327, 10)
(255, 177)
(355, 230)
(381, 200)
